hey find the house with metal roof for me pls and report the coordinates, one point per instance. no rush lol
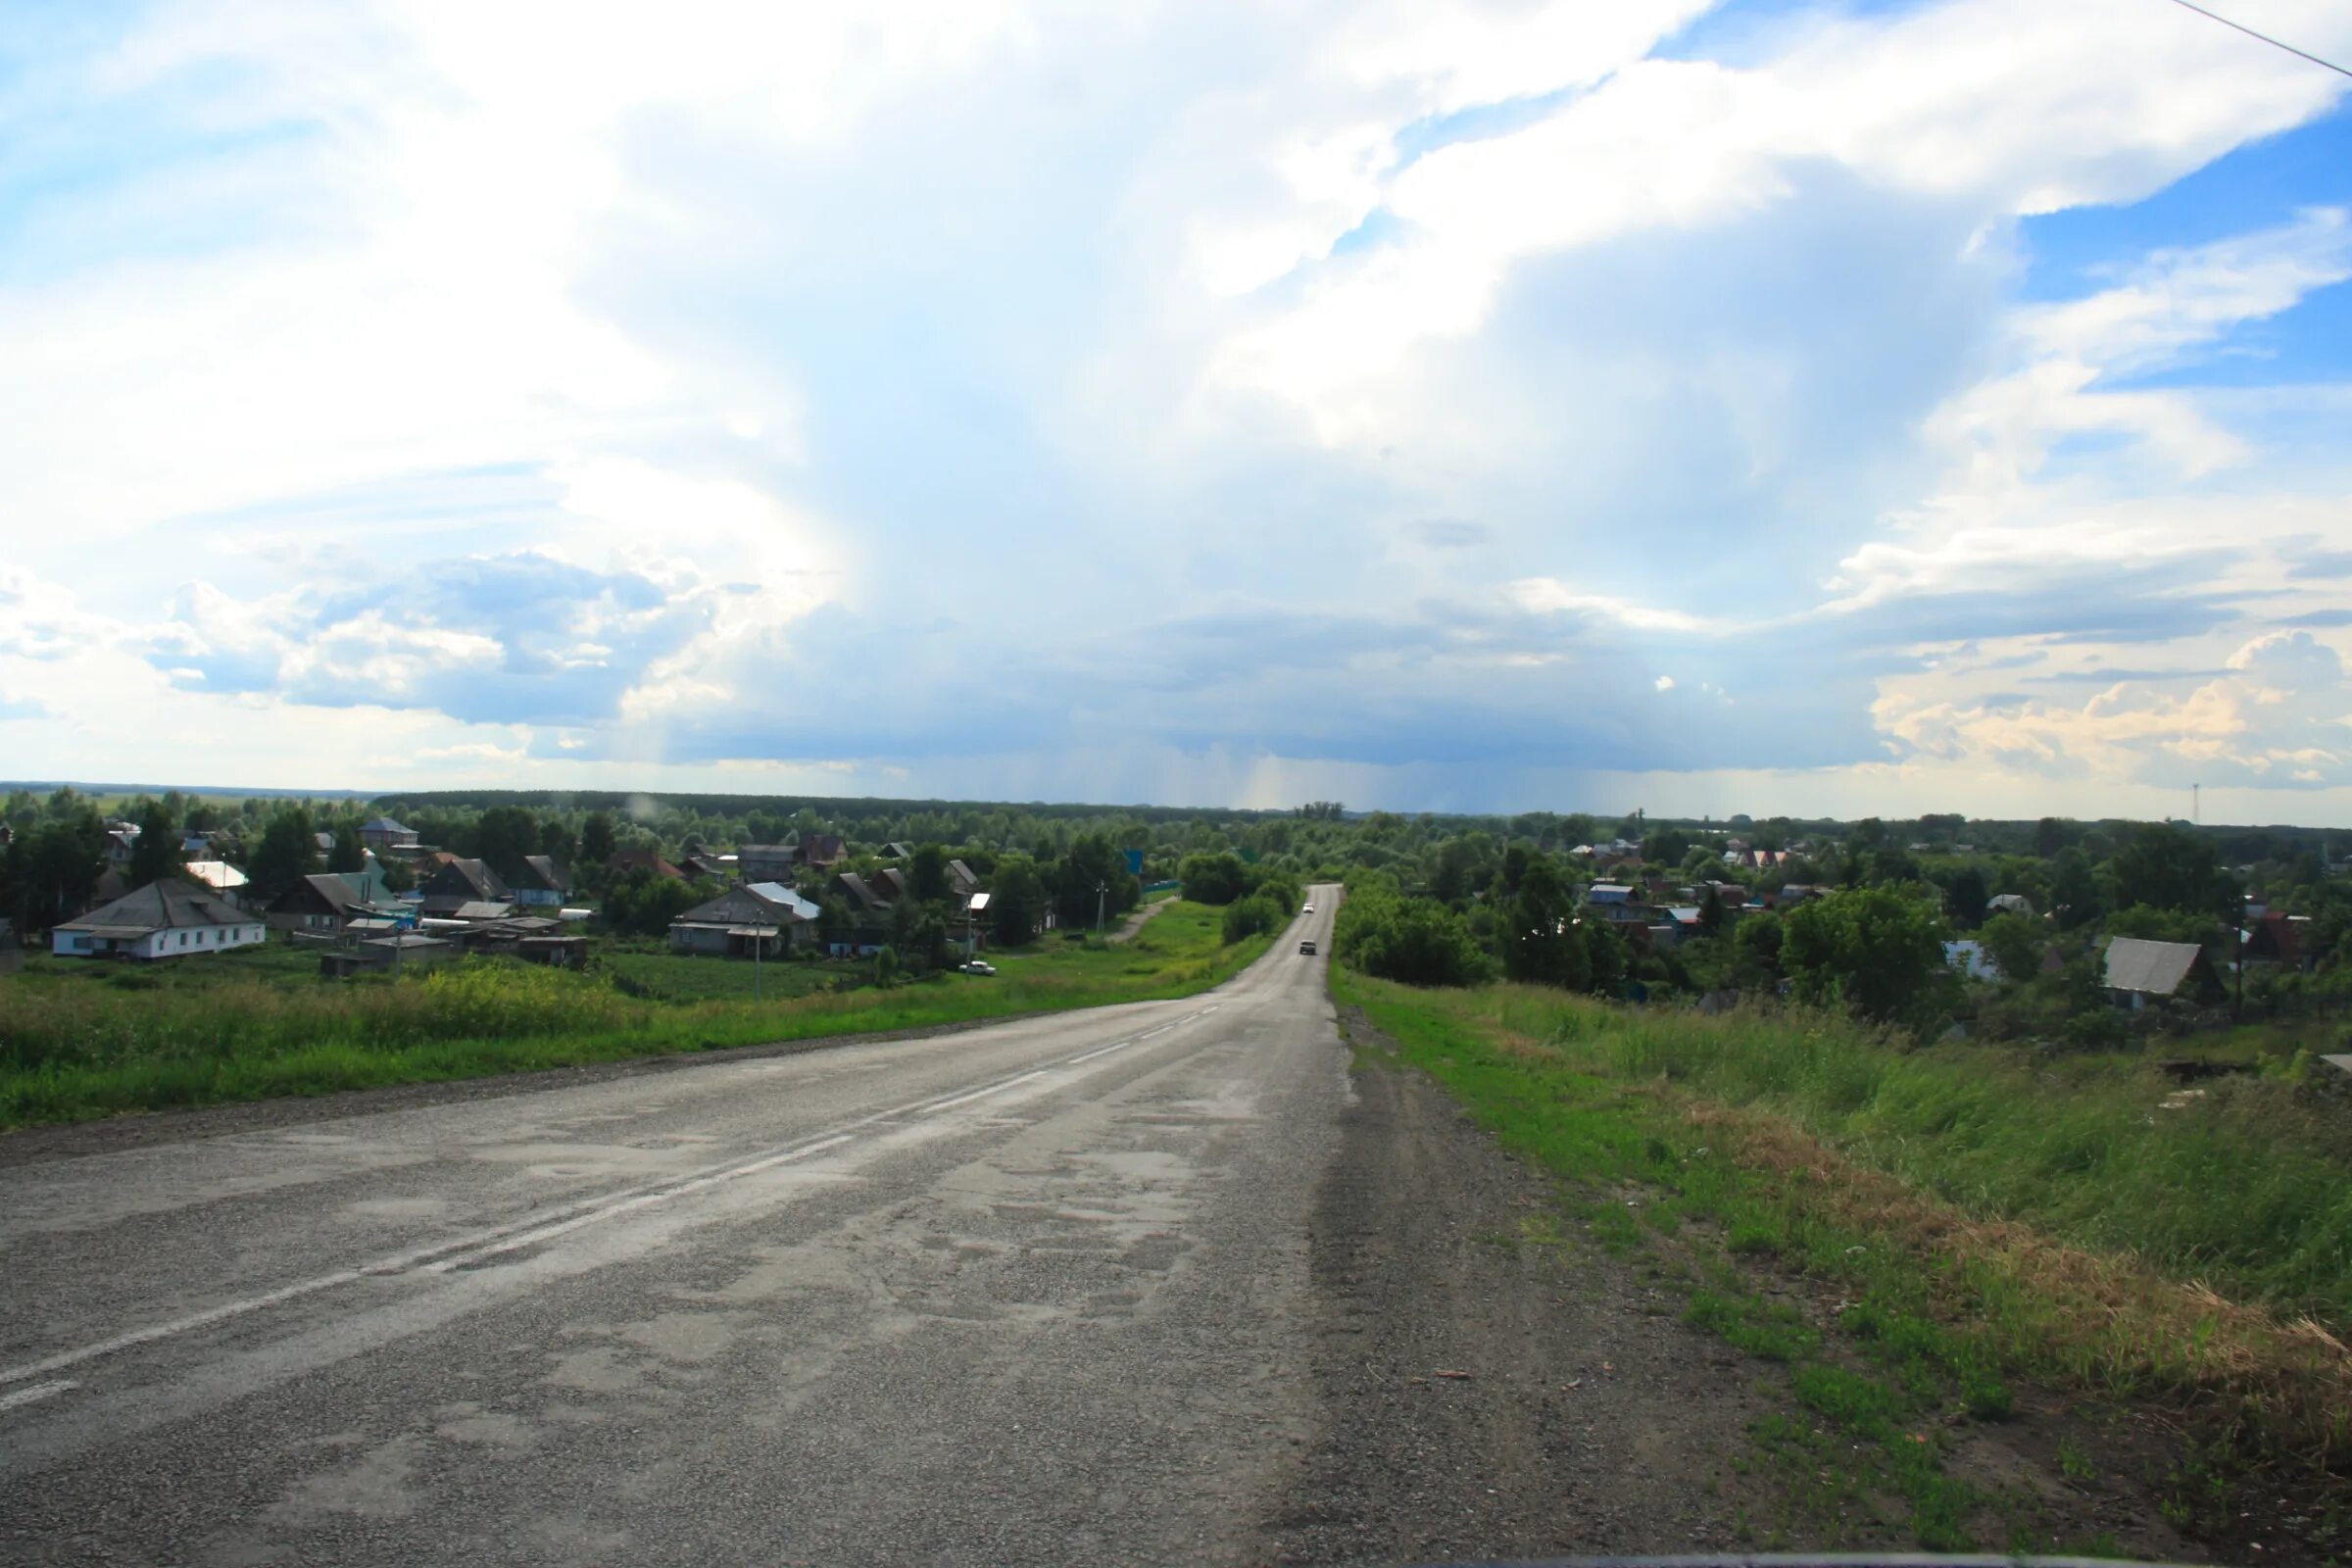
(2136, 969)
(762, 920)
(168, 918)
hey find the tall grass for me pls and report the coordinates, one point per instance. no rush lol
(2058, 1221)
(90, 1040)
(2239, 1185)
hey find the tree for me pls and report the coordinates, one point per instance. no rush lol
(1092, 881)
(2051, 835)
(2013, 943)
(645, 902)
(1541, 944)
(1875, 951)
(289, 848)
(1016, 901)
(1757, 940)
(1606, 957)
(503, 836)
(2166, 868)
(156, 853)
(1710, 912)
(1420, 942)
(349, 853)
(1965, 895)
(51, 871)
(928, 872)
(918, 932)
(1213, 878)
(554, 838)
(2074, 888)
(595, 838)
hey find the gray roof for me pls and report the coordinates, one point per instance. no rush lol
(384, 824)
(548, 874)
(2134, 963)
(161, 905)
(761, 902)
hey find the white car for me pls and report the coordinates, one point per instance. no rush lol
(1309, 909)
(976, 966)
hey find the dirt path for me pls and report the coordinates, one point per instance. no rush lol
(1135, 922)
(1490, 1393)
(1492, 1386)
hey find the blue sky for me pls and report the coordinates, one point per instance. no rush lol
(1865, 407)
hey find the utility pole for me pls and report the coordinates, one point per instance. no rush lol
(758, 945)
(1102, 898)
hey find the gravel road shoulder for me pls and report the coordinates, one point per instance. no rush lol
(1488, 1388)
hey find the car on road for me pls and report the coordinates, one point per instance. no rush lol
(1309, 909)
(1307, 950)
(975, 966)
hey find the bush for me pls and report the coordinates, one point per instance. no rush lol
(1256, 916)
(1417, 941)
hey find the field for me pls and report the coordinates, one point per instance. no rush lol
(81, 1040)
(1977, 1222)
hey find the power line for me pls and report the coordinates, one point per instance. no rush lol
(2264, 36)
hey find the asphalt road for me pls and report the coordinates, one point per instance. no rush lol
(1034, 1293)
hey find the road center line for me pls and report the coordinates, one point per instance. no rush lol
(692, 1184)
(40, 1391)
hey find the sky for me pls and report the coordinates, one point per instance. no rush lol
(1824, 409)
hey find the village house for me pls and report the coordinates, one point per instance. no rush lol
(622, 862)
(459, 882)
(225, 879)
(170, 918)
(2274, 939)
(863, 897)
(327, 902)
(716, 867)
(542, 884)
(2136, 969)
(385, 836)
(764, 862)
(819, 849)
(758, 919)
(1971, 960)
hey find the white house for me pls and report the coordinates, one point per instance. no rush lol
(1971, 960)
(166, 919)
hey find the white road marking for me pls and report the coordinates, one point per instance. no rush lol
(533, 1238)
(40, 1391)
(938, 1105)
(457, 1250)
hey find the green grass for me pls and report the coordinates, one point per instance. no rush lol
(1978, 1220)
(80, 1039)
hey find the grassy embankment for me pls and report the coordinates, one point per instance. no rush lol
(1973, 1219)
(80, 1039)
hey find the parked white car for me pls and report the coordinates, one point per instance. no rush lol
(976, 966)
